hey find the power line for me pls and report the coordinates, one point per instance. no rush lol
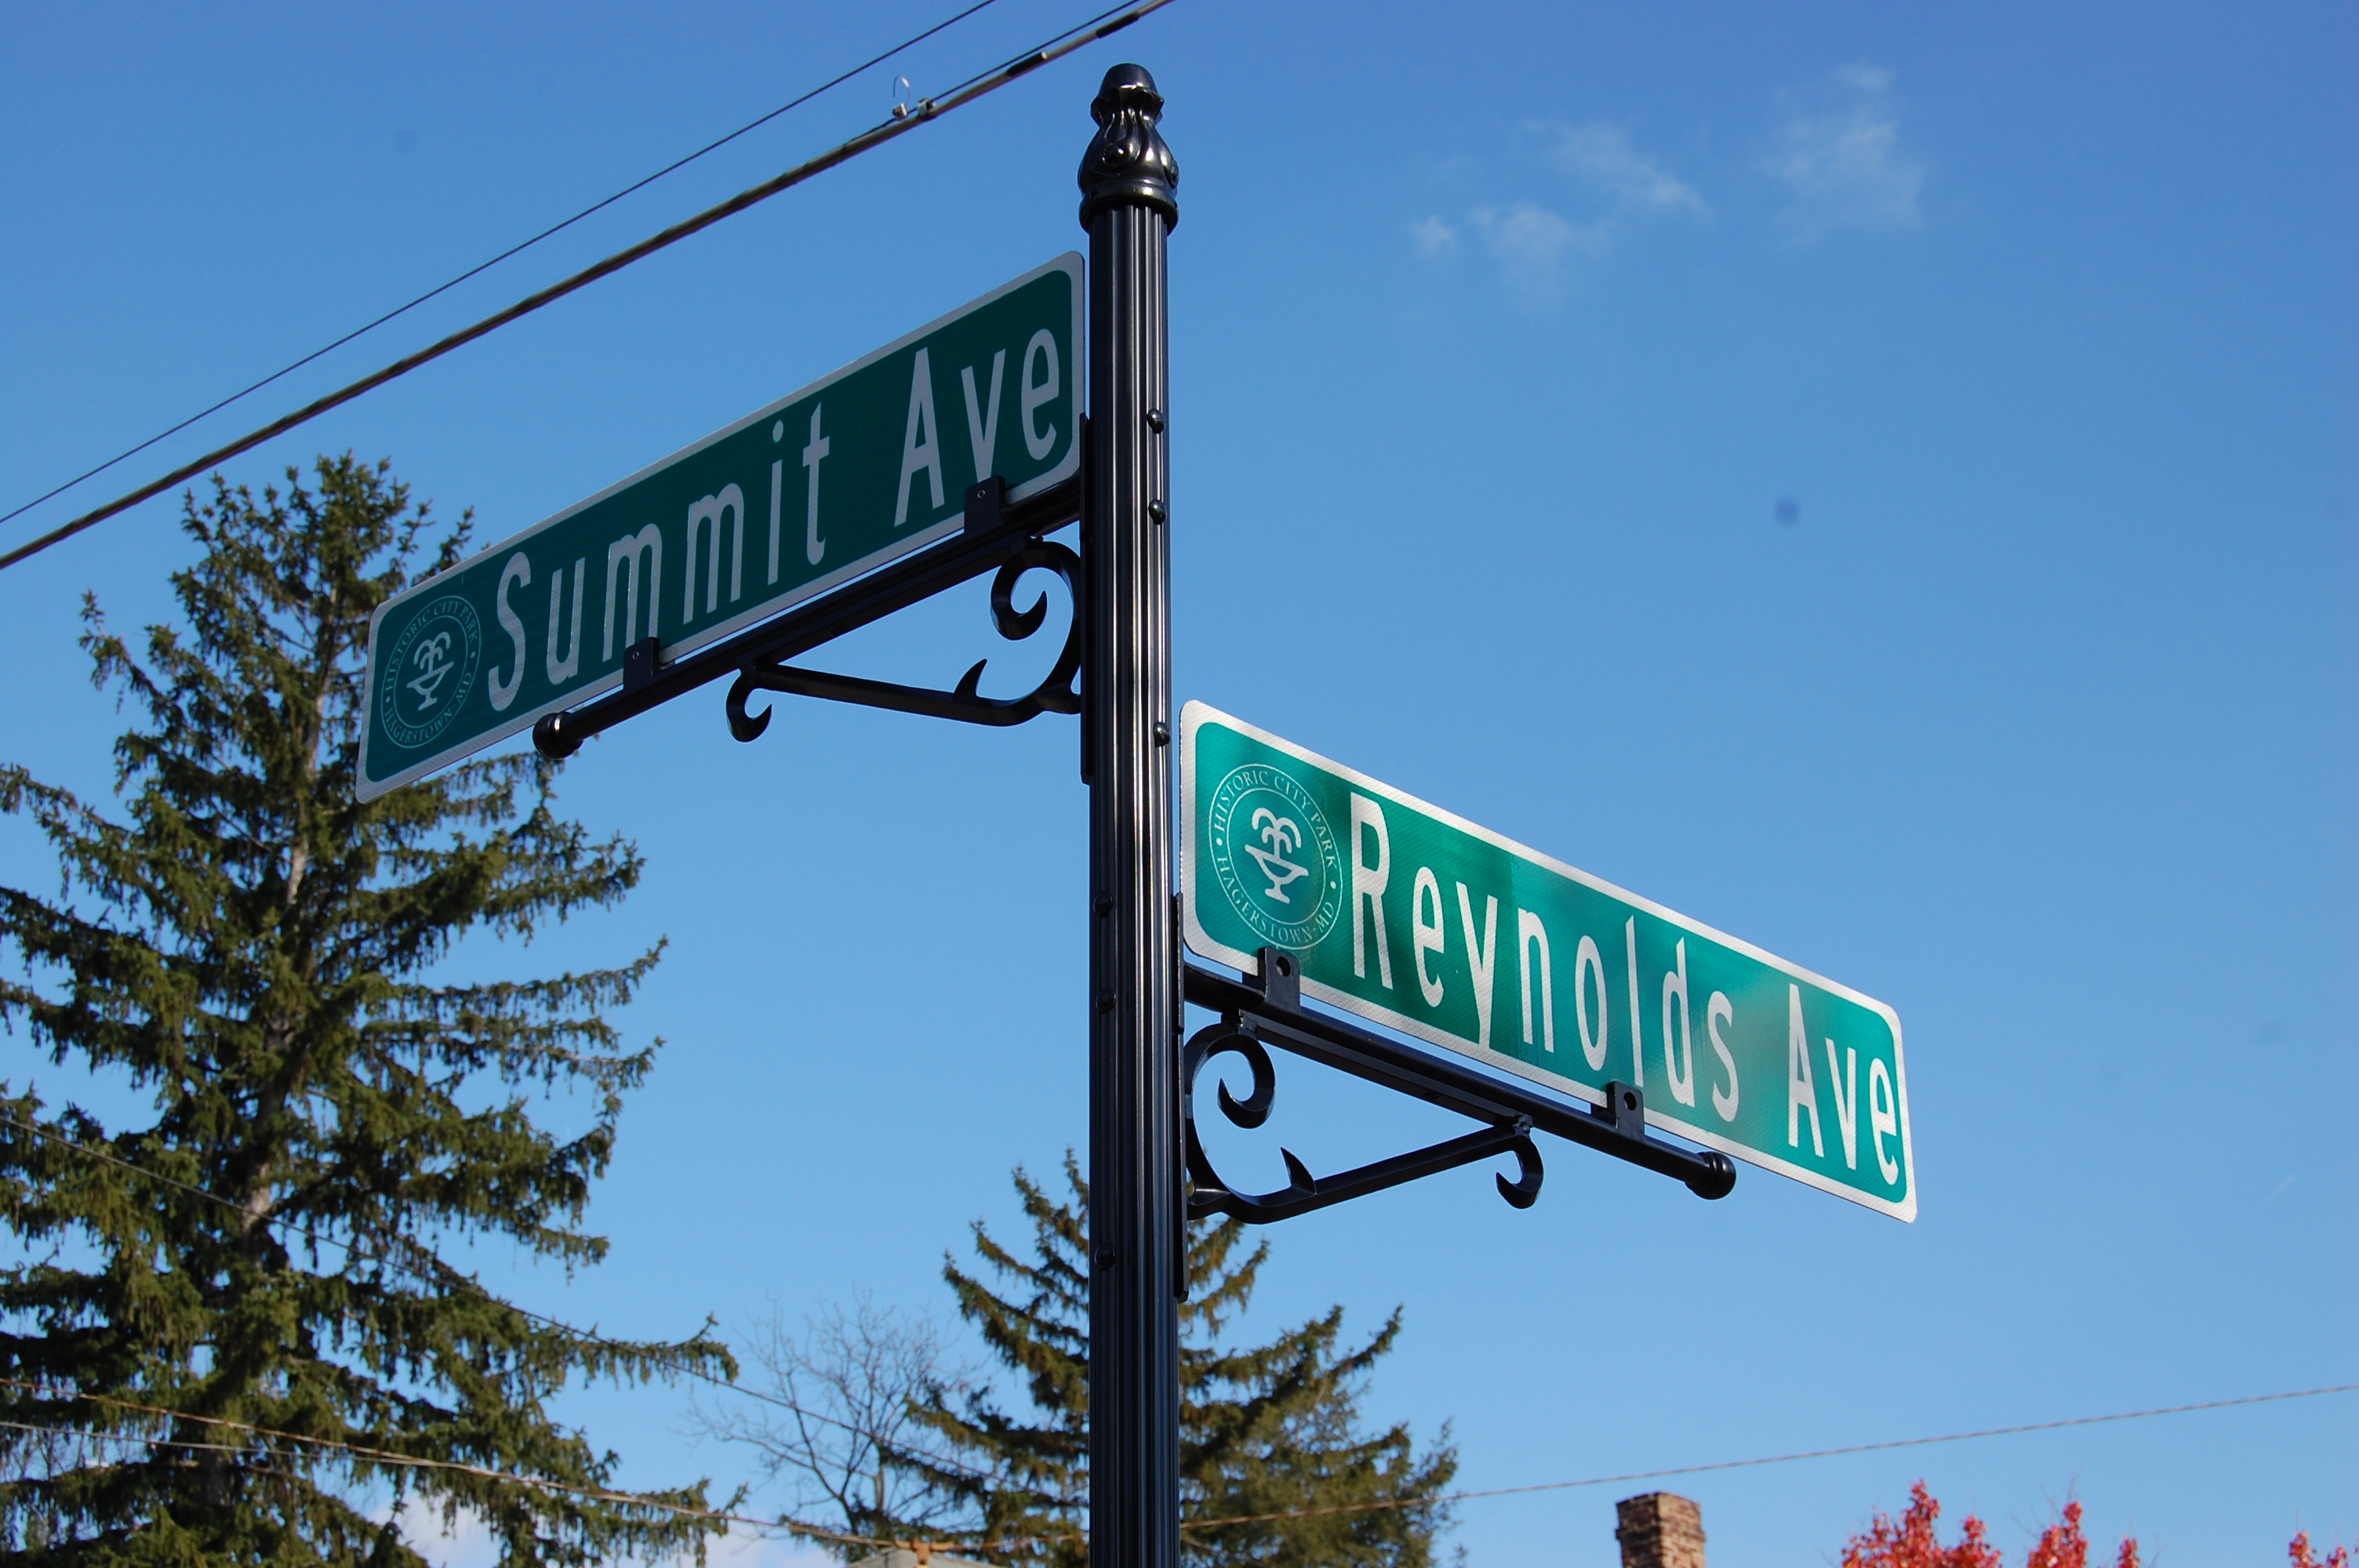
(676, 164)
(1783, 1458)
(1395, 1504)
(383, 1457)
(128, 1439)
(413, 1462)
(352, 1250)
(389, 1457)
(1104, 25)
(88, 1436)
(406, 1462)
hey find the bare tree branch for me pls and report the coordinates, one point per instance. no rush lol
(837, 1423)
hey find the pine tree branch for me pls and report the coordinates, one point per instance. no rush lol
(247, 950)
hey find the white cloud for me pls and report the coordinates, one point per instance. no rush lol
(1839, 156)
(1601, 155)
(1532, 242)
(1866, 78)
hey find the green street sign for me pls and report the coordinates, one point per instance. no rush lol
(1420, 921)
(823, 485)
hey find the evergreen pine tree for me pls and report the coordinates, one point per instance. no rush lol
(251, 949)
(1265, 1429)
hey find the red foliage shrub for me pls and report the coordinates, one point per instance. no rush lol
(2062, 1545)
(1912, 1542)
(2301, 1556)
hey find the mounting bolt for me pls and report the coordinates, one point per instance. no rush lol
(1155, 510)
(1155, 421)
(1162, 733)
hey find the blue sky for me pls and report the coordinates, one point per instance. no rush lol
(1880, 484)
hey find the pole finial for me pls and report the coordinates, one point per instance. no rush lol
(1127, 164)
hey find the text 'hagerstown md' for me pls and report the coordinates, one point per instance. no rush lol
(1565, 1004)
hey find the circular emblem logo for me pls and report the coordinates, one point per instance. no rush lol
(430, 671)
(1276, 856)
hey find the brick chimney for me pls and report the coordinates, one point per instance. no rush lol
(1659, 1530)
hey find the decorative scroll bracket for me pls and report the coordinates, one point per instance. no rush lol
(1269, 1012)
(1055, 694)
(1210, 1193)
(997, 534)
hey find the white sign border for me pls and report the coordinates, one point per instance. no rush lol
(1071, 262)
(1195, 714)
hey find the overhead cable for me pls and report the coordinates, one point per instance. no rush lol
(520, 245)
(391, 1459)
(1779, 1458)
(387, 1457)
(1104, 25)
(448, 1280)
(685, 1510)
(182, 1445)
(1389, 1504)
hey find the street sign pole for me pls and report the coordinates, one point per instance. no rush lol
(1128, 205)
(452, 670)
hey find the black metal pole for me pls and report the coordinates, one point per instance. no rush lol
(1128, 206)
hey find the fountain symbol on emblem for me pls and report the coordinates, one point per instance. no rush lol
(1275, 856)
(432, 658)
(1281, 834)
(430, 671)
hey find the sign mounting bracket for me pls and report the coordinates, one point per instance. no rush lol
(1267, 1010)
(1055, 694)
(994, 536)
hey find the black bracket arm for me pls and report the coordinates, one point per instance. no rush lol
(1210, 1193)
(996, 534)
(1256, 1013)
(1055, 694)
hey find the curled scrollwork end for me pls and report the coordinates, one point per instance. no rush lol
(964, 702)
(743, 725)
(1254, 1109)
(1524, 1190)
(1304, 1192)
(1055, 694)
